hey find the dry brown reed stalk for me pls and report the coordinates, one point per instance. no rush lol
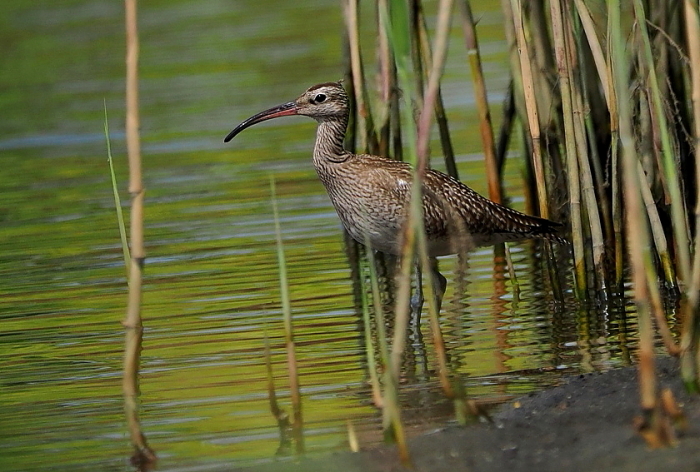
(544, 70)
(692, 29)
(528, 83)
(572, 150)
(516, 85)
(143, 454)
(425, 56)
(528, 71)
(588, 192)
(533, 23)
(596, 49)
(589, 48)
(493, 176)
(367, 141)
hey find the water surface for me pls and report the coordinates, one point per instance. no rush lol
(211, 280)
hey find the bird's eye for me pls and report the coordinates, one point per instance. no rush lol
(321, 97)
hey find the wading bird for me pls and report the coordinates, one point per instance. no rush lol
(371, 194)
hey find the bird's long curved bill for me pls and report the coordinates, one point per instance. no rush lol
(286, 109)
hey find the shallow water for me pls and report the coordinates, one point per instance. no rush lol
(211, 282)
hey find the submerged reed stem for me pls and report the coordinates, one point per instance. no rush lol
(295, 390)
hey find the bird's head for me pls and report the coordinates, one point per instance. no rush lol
(322, 102)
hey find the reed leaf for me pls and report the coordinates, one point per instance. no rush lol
(117, 200)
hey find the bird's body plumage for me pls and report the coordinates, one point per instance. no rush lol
(376, 206)
(371, 194)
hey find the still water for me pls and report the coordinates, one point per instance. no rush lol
(211, 282)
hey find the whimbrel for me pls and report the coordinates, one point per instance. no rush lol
(371, 194)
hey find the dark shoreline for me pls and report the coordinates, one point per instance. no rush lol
(585, 424)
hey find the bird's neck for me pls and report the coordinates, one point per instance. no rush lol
(329, 142)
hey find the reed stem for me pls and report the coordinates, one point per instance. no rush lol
(531, 108)
(670, 164)
(493, 176)
(690, 360)
(132, 322)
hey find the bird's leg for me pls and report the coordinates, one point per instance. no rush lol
(439, 284)
(416, 344)
(438, 281)
(417, 298)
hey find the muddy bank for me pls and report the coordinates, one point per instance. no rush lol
(585, 424)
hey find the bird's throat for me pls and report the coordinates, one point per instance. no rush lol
(329, 142)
